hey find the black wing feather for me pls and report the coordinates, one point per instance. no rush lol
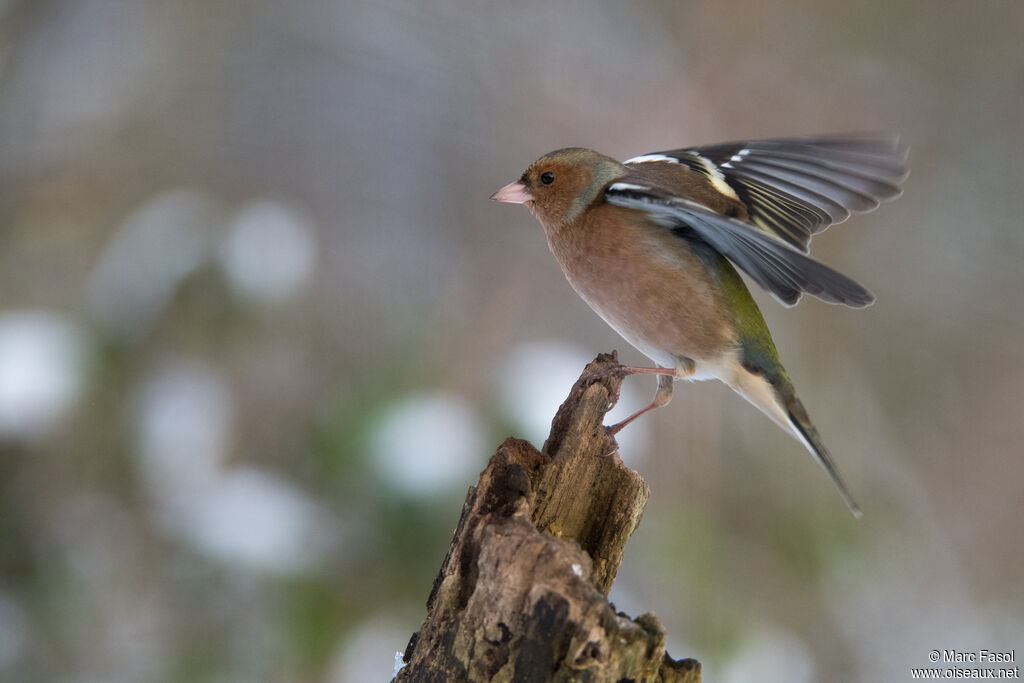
(795, 188)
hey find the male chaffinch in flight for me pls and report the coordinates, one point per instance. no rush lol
(651, 244)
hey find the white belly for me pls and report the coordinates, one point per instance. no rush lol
(721, 368)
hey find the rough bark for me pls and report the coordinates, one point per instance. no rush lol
(522, 592)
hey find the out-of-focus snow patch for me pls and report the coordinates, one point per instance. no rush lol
(42, 365)
(184, 412)
(154, 249)
(368, 652)
(399, 663)
(535, 377)
(428, 444)
(240, 516)
(252, 519)
(269, 252)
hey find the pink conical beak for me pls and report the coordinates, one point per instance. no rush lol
(514, 193)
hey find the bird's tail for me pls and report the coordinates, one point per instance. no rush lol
(806, 432)
(777, 399)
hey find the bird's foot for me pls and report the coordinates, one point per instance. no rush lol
(613, 369)
(613, 447)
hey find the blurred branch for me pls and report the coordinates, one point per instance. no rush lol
(522, 592)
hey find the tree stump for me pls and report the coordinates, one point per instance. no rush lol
(522, 593)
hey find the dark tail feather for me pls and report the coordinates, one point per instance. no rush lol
(802, 423)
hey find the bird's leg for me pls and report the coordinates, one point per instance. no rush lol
(635, 370)
(661, 398)
(685, 367)
(617, 369)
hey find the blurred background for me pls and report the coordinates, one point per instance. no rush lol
(260, 329)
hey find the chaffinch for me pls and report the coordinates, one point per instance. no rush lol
(652, 245)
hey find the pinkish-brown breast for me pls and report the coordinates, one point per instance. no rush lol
(646, 283)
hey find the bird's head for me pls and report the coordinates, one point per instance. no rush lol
(560, 185)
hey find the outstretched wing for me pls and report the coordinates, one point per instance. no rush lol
(778, 267)
(795, 188)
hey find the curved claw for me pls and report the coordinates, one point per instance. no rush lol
(611, 439)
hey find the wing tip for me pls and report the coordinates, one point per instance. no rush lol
(857, 298)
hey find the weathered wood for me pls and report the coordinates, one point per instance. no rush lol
(586, 493)
(521, 594)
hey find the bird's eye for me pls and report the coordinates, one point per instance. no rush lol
(547, 177)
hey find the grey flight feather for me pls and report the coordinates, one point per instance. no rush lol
(795, 188)
(775, 265)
